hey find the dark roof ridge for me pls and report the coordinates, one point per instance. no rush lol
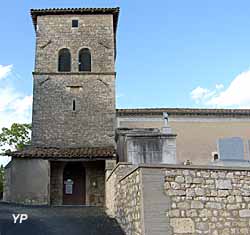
(73, 8)
(182, 111)
(54, 11)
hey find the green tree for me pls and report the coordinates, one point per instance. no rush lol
(15, 137)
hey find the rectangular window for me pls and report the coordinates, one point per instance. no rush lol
(74, 23)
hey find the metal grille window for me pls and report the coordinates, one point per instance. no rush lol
(84, 60)
(64, 60)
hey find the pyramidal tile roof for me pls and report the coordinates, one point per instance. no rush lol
(71, 11)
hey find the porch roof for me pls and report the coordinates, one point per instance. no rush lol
(65, 153)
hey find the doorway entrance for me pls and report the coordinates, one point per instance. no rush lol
(74, 184)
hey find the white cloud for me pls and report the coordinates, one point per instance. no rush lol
(236, 95)
(14, 110)
(199, 93)
(21, 105)
(5, 70)
(7, 97)
(219, 86)
(15, 107)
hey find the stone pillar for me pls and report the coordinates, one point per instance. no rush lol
(56, 185)
(169, 149)
(109, 187)
(109, 166)
(95, 183)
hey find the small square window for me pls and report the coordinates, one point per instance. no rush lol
(74, 23)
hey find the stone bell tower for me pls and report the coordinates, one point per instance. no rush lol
(73, 122)
(74, 77)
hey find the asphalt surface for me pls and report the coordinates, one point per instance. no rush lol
(56, 220)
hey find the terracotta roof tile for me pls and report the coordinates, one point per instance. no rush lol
(48, 153)
(183, 111)
(63, 11)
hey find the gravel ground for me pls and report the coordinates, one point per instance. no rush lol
(57, 220)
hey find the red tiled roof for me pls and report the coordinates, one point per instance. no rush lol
(52, 153)
(183, 111)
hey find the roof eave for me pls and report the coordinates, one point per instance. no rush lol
(70, 11)
(184, 111)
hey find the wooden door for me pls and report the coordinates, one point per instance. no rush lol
(74, 184)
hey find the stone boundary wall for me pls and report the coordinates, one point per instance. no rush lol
(112, 179)
(128, 201)
(124, 197)
(206, 201)
(198, 199)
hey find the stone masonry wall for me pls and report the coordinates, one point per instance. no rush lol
(113, 178)
(56, 183)
(20, 189)
(124, 198)
(7, 183)
(207, 201)
(95, 183)
(128, 204)
(54, 122)
(55, 32)
(181, 200)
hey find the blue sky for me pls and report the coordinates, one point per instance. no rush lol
(166, 49)
(171, 53)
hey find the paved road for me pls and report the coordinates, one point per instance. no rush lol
(57, 220)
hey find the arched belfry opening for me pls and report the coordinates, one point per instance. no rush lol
(84, 60)
(64, 60)
(74, 184)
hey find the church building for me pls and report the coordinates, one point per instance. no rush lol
(78, 135)
(74, 116)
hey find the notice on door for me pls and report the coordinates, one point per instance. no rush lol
(68, 186)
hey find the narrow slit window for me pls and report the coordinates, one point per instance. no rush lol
(74, 105)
